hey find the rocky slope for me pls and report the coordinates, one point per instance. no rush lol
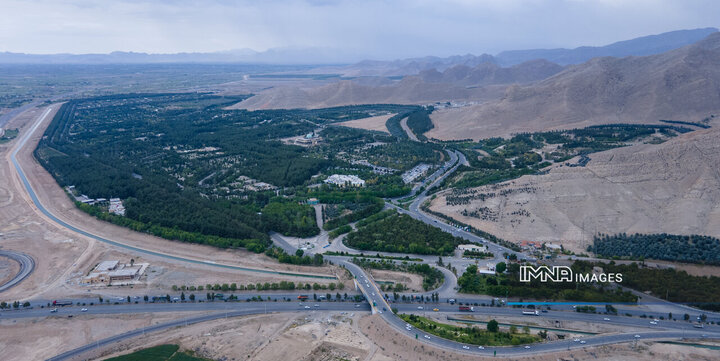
(672, 187)
(682, 84)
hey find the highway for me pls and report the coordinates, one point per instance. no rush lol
(662, 331)
(52, 217)
(665, 330)
(27, 266)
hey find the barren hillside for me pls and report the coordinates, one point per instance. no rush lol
(410, 90)
(682, 84)
(672, 187)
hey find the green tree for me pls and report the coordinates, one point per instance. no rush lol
(500, 268)
(493, 326)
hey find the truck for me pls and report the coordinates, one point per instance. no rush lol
(531, 313)
(62, 303)
(466, 309)
(302, 297)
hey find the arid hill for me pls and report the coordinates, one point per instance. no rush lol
(672, 187)
(410, 90)
(490, 73)
(682, 84)
(457, 83)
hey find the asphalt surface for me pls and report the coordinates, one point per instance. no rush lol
(64, 224)
(664, 330)
(27, 266)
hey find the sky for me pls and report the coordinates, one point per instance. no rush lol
(377, 29)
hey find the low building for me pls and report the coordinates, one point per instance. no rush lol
(114, 272)
(343, 180)
(312, 201)
(472, 248)
(553, 247)
(107, 266)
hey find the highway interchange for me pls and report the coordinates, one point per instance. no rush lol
(665, 330)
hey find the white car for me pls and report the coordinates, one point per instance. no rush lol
(466, 347)
(427, 337)
(637, 336)
(407, 328)
(481, 348)
(316, 305)
(306, 307)
(583, 342)
(420, 307)
(653, 323)
(576, 340)
(527, 346)
(83, 310)
(606, 319)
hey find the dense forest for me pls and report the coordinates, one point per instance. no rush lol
(188, 169)
(419, 122)
(508, 285)
(671, 247)
(668, 284)
(403, 234)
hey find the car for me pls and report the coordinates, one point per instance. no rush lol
(373, 293)
(70, 316)
(316, 305)
(637, 336)
(606, 319)
(653, 323)
(481, 348)
(527, 347)
(407, 325)
(83, 310)
(576, 340)
(466, 347)
(427, 337)
(435, 309)
(583, 341)
(407, 328)
(420, 307)
(306, 307)
(656, 320)
(356, 306)
(380, 312)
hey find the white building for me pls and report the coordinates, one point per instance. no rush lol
(343, 180)
(472, 248)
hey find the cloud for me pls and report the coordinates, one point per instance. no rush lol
(375, 28)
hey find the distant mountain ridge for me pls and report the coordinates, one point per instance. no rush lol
(283, 56)
(681, 84)
(646, 45)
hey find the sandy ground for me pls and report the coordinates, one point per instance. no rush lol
(62, 257)
(372, 123)
(38, 339)
(8, 269)
(284, 336)
(398, 347)
(412, 281)
(673, 187)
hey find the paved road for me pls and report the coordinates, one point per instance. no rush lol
(64, 224)
(665, 330)
(27, 266)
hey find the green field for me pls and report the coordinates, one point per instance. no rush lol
(158, 353)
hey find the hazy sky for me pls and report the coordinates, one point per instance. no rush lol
(380, 29)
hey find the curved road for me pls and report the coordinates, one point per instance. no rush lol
(64, 224)
(27, 266)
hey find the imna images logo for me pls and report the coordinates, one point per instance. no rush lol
(564, 274)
